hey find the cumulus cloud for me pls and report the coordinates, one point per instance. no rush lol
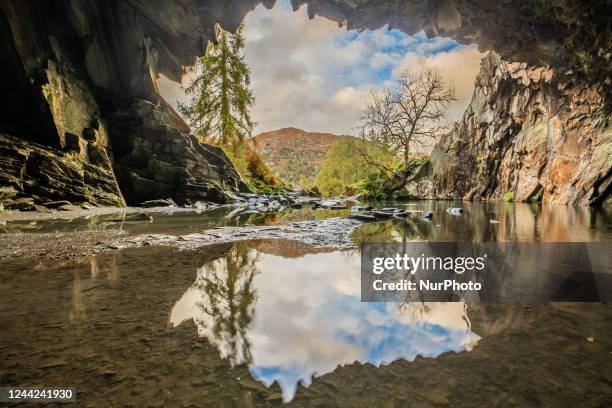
(316, 76)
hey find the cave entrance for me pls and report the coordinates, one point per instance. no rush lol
(311, 79)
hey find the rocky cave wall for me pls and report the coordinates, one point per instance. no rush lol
(76, 71)
(527, 135)
(80, 117)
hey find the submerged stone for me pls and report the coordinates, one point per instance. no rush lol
(455, 211)
(382, 215)
(158, 203)
(362, 217)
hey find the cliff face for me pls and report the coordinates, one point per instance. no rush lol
(71, 68)
(527, 135)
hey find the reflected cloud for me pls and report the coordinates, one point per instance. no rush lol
(294, 319)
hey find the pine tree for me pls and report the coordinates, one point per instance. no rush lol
(219, 110)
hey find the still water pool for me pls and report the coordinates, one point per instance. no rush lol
(270, 322)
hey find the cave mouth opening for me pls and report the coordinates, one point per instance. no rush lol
(314, 74)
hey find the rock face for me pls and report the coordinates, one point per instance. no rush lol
(154, 159)
(74, 74)
(47, 174)
(527, 136)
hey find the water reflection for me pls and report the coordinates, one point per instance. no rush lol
(511, 222)
(493, 222)
(221, 302)
(292, 319)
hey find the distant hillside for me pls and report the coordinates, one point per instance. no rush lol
(294, 154)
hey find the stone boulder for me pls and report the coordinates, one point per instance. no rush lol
(155, 158)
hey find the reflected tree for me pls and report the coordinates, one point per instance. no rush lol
(227, 302)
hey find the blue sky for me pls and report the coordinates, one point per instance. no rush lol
(314, 75)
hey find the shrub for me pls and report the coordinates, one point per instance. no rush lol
(257, 175)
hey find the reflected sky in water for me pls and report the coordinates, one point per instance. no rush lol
(291, 319)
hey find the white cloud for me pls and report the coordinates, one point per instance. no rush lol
(314, 75)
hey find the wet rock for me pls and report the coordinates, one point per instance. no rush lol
(381, 215)
(427, 215)
(296, 205)
(199, 206)
(69, 207)
(307, 200)
(390, 209)
(328, 204)
(454, 211)
(56, 204)
(42, 209)
(361, 208)
(362, 217)
(21, 204)
(328, 233)
(7, 193)
(168, 202)
(401, 214)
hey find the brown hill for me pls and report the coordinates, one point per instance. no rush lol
(294, 154)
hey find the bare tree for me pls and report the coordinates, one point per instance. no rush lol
(410, 114)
